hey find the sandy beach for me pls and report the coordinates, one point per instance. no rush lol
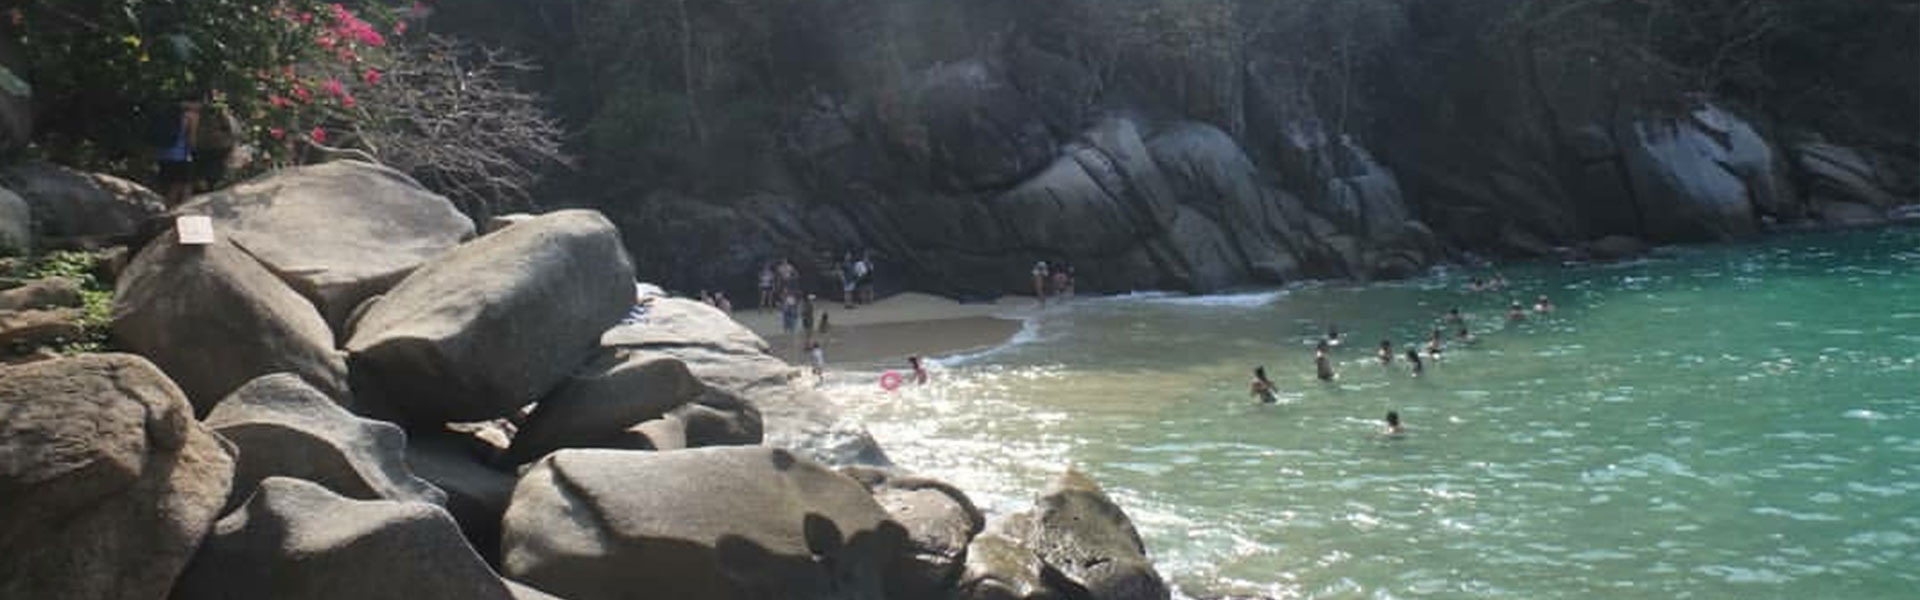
(896, 327)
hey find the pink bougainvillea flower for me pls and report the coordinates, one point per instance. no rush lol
(306, 17)
(326, 41)
(319, 135)
(277, 132)
(372, 76)
(347, 101)
(333, 87)
(400, 28)
(279, 101)
(302, 93)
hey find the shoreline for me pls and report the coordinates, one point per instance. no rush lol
(895, 327)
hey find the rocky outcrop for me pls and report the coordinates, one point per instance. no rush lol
(338, 232)
(1074, 543)
(496, 323)
(709, 523)
(607, 397)
(74, 208)
(1704, 176)
(52, 292)
(214, 319)
(25, 330)
(477, 494)
(16, 225)
(297, 540)
(726, 356)
(285, 428)
(939, 520)
(108, 482)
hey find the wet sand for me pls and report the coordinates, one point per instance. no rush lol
(889, 331)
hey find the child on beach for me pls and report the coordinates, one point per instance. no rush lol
(819, 357)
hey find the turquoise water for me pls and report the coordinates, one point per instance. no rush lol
(1710, 423)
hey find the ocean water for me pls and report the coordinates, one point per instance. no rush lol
(1712, 422)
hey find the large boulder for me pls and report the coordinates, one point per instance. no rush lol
(711, 523)
(338, 232)
(108, 482)
(296, 540)
(971, 127)
(285, 428)
(940, 522)
(214, 319)
(598, 404)
(725, 355)
(69, 204)
(1081, 533)
(1704, 176)
(16, 225)
(496, 323)
(999, 567)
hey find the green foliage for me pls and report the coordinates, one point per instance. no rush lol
(96, 294)
(104, 71)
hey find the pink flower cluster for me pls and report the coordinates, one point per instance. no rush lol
(346, 26)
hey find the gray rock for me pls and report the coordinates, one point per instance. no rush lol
(1616, 247)
(496, 323)
(52, 292)
(25, 330)
(999, 567)
(296, 540)
(708, 523)
(1841, 174)
(603, 400)
(16, 225)
(285, 428)
(477, 494)
(71, 204)
(1703, 177)
(1849, 214)
(108, 481)
(499, 222)
(1080, 532)
(214, 319)
(664, 433)
(338, 232)
(972, 128)
(940, 521)
(728, 357)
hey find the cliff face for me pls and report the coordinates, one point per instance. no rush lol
(1197, 144)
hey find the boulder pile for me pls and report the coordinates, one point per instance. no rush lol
(311, 412)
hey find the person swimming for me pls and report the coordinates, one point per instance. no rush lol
(1386, 352)
(1322, 367)
(1515, 312)
(1413, 358)
(1465, 337)
(1333, 336)
(1263, 387)
(1543, 305)
(1477, 285)
(1434, 345)
(1393, 423)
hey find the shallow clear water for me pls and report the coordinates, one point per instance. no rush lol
(1713, 422)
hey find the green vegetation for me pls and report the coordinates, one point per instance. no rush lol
(96, 293)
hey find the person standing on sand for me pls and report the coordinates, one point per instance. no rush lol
(849, 281)
(806, 315)
(787, 278)
(1263, 388)
(789, 313)
(721, 302)
(819, 356)
(766, 285)
(1040, 274)
(863, 270)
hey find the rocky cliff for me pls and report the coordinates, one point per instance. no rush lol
(1203, 144)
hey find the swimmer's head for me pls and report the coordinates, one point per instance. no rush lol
(1384, 344)
(1260, 372)
(1393, 419)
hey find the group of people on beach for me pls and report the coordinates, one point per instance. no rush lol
(1268, 393)
(1052, 280)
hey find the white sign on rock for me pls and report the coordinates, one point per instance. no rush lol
(195, 230)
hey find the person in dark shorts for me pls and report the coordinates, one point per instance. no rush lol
(175, 158)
